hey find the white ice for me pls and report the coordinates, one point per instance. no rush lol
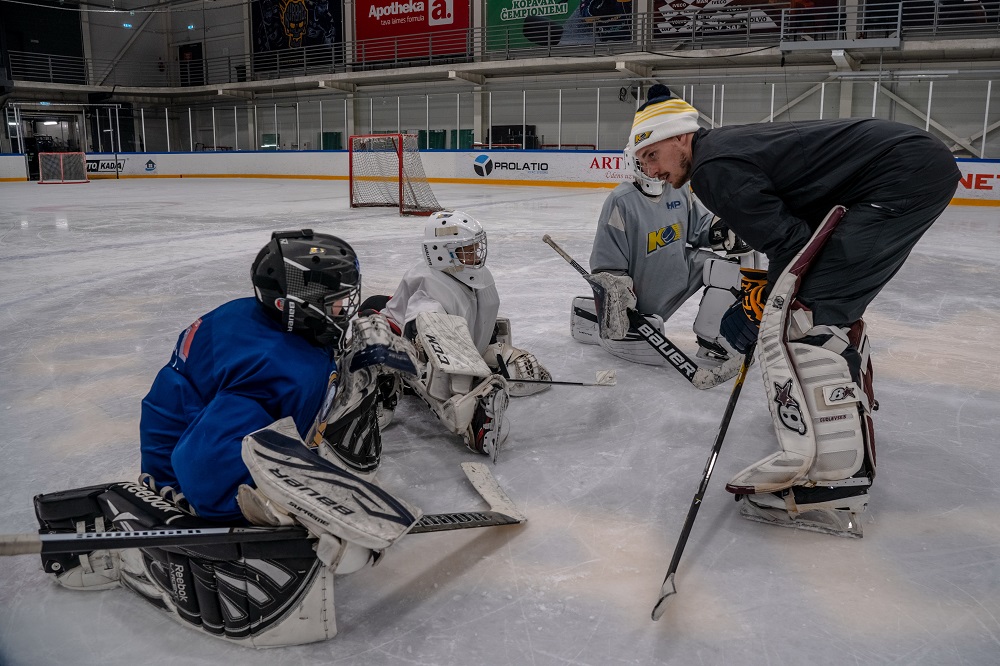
(99, 279)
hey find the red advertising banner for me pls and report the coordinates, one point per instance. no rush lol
(404, 29)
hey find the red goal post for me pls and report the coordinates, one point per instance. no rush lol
(386, 170)
(62, 168)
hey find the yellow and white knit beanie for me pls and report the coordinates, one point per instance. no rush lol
(661, 118)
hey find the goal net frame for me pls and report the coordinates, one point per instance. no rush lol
(62, 168)
(385, 170)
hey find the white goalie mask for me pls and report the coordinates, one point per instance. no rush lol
(650, 186)
(455, 243)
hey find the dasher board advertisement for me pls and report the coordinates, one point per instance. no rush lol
(410, 29)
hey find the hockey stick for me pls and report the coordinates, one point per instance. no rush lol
(668, 588)
(701, 378)
(604, 377)
(502, 512)
(797, 268)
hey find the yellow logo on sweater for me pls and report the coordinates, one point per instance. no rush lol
(662, 237)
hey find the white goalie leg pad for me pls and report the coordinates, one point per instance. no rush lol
(448, 344)
(634, 348)
(721, 277)
(583, 320)
(323, 497)
(457, 410)
(790, 410)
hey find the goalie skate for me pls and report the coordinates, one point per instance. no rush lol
(832, 510)
(488, 430)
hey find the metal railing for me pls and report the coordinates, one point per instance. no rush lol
(763, 25)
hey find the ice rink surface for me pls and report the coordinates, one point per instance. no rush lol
(99, 279)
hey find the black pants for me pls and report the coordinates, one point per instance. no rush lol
(871, 243)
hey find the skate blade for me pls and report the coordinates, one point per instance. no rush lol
(824, 521)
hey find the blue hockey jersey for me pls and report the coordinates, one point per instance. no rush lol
(233, 371)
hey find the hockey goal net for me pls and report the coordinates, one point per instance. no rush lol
(386, 170)
(62, 168)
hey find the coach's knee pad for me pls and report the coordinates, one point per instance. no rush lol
(721, 278)
(583, 320)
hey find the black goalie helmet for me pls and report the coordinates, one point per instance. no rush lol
(310, 284)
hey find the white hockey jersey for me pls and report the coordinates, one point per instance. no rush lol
(655, 240)
(425, 289)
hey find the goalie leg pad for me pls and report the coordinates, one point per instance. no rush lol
(320, 495)
(583, 320)
(634, 348)
(77, 510)
(721, 277)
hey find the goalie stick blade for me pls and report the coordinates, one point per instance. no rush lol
(668, 589)
(486, 485)
(706, 378)
(444, 522)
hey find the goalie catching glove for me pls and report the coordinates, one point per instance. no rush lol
(613, 296)
(741, 323)
(515, 364)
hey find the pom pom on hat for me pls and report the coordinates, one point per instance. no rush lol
(660, 118)
(657, 93)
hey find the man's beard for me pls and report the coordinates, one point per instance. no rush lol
(685, 170)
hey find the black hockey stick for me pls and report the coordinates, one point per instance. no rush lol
(798, 267)
(702, 378)
(502, 512)
(604, 377)
(668, 588)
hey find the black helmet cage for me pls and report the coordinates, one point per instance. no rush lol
(310, 283)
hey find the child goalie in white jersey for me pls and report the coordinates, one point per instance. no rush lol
(447, 305)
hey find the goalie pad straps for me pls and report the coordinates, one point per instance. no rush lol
(790, 410)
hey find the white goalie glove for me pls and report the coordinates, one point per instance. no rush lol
(515, 364)
(613, 296)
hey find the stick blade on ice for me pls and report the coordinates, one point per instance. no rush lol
(667, 590)
(607, 377)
